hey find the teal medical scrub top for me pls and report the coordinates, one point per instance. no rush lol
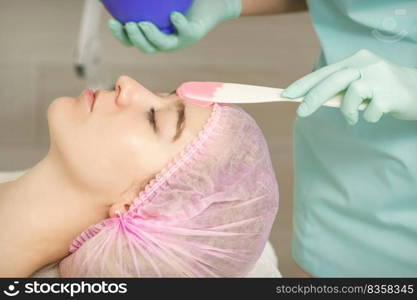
(355, 207)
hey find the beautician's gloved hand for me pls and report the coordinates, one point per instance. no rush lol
(389, 88)
(202, 17)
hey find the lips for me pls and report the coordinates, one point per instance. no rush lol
(90, 98)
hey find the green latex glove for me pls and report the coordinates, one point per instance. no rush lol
(202, 17)
(386, 87)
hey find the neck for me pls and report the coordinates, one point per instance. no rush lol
(43, 211)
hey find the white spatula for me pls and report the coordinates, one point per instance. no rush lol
(206, 93)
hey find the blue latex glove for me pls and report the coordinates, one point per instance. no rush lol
(389, 88)
(201, 18)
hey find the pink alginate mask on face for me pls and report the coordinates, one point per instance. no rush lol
(191, 91)
(207, 214)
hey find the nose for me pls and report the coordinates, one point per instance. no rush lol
(129, 91)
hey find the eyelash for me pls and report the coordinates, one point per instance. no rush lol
(152, 118)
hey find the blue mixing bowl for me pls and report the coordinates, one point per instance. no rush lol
(155, 11)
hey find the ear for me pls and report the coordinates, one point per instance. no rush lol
(119, 208)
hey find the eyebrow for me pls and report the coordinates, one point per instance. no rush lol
(180, 121)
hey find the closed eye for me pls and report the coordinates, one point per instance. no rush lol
(152, 119)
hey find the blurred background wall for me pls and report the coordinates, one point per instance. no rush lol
(37, 40)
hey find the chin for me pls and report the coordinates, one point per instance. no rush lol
(61, 115)
(59, 105)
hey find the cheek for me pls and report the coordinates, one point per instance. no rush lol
(126, 161)
(141, 153)
(110, 157)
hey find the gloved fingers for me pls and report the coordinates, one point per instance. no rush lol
(375, 110)
(181, 24)
(301, 87)
(138, 39)
(357, 92)
(118, 32)
(328, 88)
(158, 39)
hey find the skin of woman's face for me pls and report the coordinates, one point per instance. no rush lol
(112, 143)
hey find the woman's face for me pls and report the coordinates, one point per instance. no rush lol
(114, 142)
